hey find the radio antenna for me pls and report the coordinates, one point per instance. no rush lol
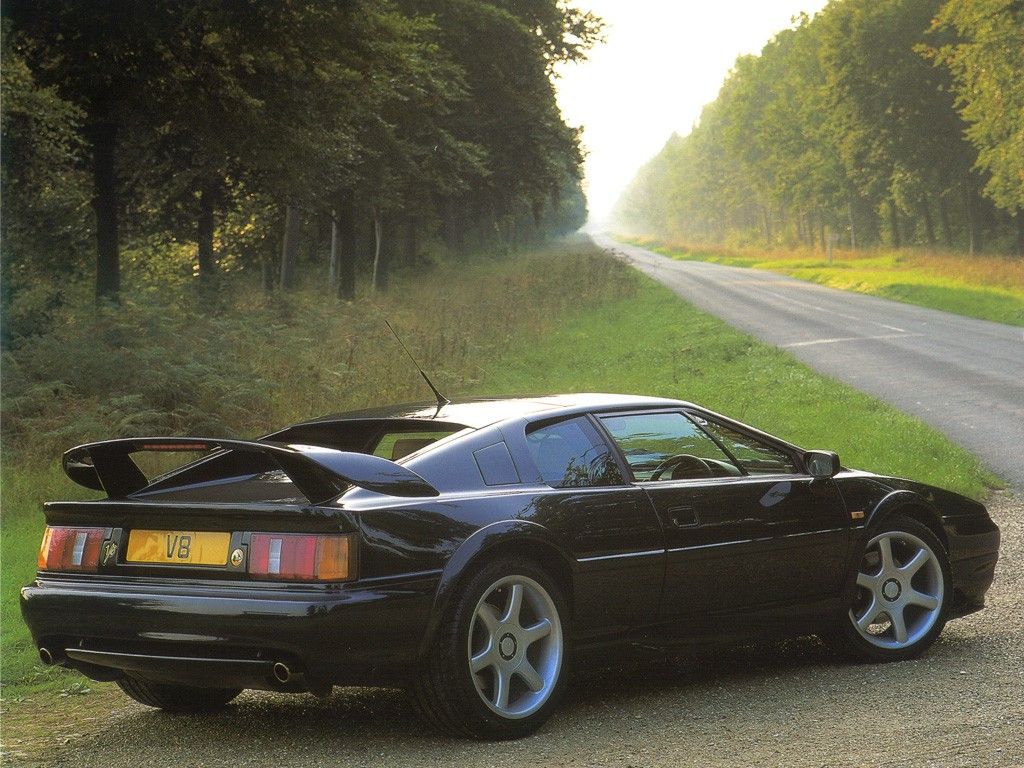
(442, 401)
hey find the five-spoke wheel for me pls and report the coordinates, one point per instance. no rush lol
(899, 601)
(515, 646)
(901, 588)
(497, 667)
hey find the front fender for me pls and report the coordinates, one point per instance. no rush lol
(890, 504)
(477, 546)
(893, 502)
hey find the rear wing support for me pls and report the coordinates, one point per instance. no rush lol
(319, 473)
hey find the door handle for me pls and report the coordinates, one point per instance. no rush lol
(681, 517)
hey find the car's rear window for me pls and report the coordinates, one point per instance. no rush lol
(399, 444)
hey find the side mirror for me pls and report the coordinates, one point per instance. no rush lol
(821, 463)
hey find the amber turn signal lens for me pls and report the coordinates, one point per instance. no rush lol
(332, 558)
(44, 548)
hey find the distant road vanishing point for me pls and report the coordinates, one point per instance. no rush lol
(965, 377)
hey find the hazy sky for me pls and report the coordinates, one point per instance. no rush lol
(662, 62)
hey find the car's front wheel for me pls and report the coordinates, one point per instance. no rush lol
(497, 667)
(902, 590)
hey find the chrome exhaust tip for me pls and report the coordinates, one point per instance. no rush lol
(46, 656)
(281, 672)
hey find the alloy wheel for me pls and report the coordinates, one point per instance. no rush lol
(900, 591)
(515, 646)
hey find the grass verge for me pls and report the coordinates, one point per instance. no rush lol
(656, 344)
(562, 321)
(985, 287)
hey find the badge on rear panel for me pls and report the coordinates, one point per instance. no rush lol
(237, 557)
(109, 552)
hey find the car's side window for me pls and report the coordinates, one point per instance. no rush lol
(572, 454)
(755, 456)
(668, 446)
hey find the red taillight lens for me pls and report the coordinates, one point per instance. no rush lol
(70, 549)
(301, 557)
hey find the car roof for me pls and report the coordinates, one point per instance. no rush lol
(484, 411)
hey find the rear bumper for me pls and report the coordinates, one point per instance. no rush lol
(231, 634)
(973, 553)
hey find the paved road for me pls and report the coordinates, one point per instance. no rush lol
(963, 376)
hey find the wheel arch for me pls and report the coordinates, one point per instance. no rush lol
(912, 505)
(500, 539)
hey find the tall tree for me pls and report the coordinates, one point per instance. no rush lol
(839, 123)
(44, 229)
(98, 56)
(987, 63)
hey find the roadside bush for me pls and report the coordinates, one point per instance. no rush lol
(173, 363)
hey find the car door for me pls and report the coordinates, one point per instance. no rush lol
(616, 537)
(738, 534)
(805, 520)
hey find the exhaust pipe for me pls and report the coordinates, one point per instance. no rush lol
(48, 657)
(281, 672)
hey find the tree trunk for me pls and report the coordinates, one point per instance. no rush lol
(204, 234)
(332, 269)
(929, 226)
(105, 203)
(290, 247)
(894, 224)
(853, 227)
(973, 225)
(821, 230)
(947, 229)
(270, 264)
(379, 268)
(346, 224)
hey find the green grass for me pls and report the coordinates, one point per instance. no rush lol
(23, 491)
(655, 344)
(985, 287)
(562, 321)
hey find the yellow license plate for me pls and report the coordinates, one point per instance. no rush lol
(178, 547)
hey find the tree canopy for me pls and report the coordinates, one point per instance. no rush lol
(234, 130)
(987, 62)
(898, 121)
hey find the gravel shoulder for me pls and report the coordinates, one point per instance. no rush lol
(789, 704)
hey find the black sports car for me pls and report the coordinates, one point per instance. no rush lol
(470, 551)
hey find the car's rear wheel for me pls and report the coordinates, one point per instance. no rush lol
(901, 595)
(497, 667)
(176, 698)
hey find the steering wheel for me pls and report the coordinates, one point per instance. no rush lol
(697, 466)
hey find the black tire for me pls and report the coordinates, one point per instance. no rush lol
(845, 638)
(177, 698)
(444, 694)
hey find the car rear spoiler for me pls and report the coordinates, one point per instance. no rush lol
(320, 474)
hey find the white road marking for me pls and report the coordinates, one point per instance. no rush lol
(834, 312)
(850, 338)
